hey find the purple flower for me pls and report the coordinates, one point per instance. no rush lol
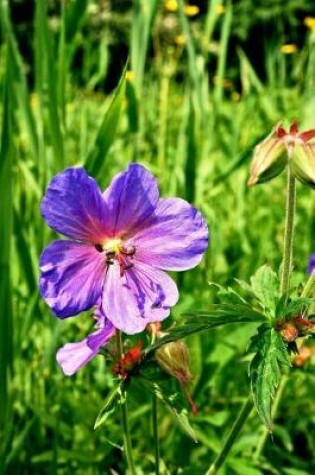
(72, 356)
(311, 264)
(121, 242)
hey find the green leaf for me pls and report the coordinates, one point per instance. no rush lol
(217, 315)
(265, 369)
(95, 160)
(293, 307)
(110, 405)
(227, 294)
(265, 285)
(174, 402)
(6, 213)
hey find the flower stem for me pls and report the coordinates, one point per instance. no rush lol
(288, 232)
(284, 289)
(229, 441)
(155, 435)
(285, 282)
(124, 414)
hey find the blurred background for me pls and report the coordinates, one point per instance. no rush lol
(206, 80)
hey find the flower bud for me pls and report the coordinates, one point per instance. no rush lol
(289, 332)
(303, 163)
(174, 359)
(269, 160)
(128, 362)
(281, 147)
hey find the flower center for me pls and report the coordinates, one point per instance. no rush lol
(116, 251)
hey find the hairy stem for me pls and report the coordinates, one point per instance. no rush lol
(124, 415)
(285, 281)
(288, 232)
(155, 435)
(230, 439)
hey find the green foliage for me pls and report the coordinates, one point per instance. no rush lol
(265, 285)
(95, 161)
(217, 315)
(110, 404)
(271, 355)
(174, 403)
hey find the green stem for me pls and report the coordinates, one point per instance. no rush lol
(124, 415)
(285, 281)
(288, 233)
(229, 441)
(155, 435)
(284, 289)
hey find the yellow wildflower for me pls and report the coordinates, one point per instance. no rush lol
(191, 10)
(289, 48)
(309, 21)
(220, 9)
(180, 40)
(130, 76)
(171, 5)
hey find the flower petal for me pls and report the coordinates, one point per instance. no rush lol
(131, 199)
(176, 238)
(142, 295)
(74, 206)
(71, 278)
(72, 356)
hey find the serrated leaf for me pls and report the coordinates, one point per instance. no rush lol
(227, 294)
(217, 315)
(174, 402)
(265, 369)
(265, 285)
(293, 307)
(95, 160)
(111, 402)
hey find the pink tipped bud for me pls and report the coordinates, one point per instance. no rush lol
(174, 359)
(269, 160)
(303, 163)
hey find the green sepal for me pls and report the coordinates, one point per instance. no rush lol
(269, 160)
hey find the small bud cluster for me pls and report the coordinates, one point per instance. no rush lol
(295, 327)
(128, 362)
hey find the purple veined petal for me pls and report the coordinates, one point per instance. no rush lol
(311, 264)
(74, 206)
(72, 275)
(142, 295)
(176, 239)
(131, 199)
(73, 356)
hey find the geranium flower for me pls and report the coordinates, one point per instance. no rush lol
(311, 264)
(121, 242)
(73, 356)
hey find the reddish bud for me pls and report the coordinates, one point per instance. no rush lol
(289, 332)
(129, 361)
